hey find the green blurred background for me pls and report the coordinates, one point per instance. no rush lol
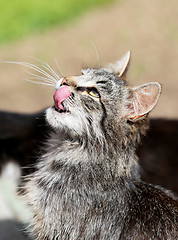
(75, 32)
(20, 18)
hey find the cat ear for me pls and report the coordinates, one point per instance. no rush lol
(143, 100)
(121, 66)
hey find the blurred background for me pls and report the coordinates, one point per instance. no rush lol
(71, 32)
(81, 33)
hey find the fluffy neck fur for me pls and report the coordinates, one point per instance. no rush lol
(113, 156)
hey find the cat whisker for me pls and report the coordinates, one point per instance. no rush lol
(71, 100)
(40, 78)
(40, 70)
(47, 67)
(28, 166)
(37, 69)
(53, 72)
(96, 51)
(42, 83)
(59, 68)
(35, 76)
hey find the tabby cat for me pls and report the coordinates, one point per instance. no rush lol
(87, 184)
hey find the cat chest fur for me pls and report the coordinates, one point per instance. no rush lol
(75, 207)
(89, 201)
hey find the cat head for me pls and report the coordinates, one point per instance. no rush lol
(99, 102)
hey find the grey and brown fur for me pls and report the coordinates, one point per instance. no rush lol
(87, 185)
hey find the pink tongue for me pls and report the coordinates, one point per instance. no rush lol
(60, 95)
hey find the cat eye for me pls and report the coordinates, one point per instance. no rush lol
(89, 90)
(94, 93)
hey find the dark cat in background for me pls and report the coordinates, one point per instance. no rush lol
(87, 183)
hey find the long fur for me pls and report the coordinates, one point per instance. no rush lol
(87, 183)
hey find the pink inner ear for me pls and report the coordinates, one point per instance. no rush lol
(145, 98)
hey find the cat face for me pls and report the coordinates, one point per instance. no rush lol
(82, 103)
(99, 100)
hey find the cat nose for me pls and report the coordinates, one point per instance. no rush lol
(64, 82)
(69, 81)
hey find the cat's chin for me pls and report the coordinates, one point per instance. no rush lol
(63, 120)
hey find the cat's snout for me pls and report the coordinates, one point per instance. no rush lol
(69, 81)
(64, 82)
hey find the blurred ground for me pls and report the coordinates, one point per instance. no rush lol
(148, 28)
